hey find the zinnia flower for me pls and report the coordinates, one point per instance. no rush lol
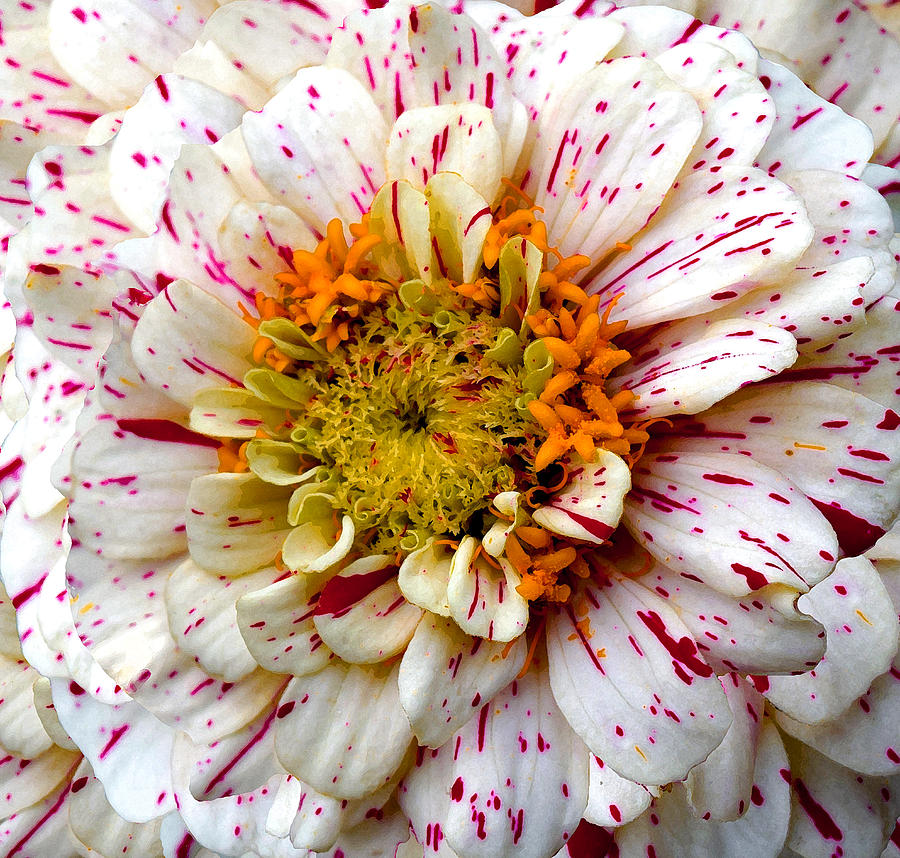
(455, 423)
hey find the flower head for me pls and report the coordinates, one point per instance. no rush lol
(468, 420)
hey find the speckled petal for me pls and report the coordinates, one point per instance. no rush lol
(629, 678)
(723, 518)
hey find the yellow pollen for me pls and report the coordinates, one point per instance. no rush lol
(800, 446)
(863, 617)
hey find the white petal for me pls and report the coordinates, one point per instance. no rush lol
(721, 517)
(718, 235)
(696, 363)
(361, 613)
(21, 731)
(591, 505)
(516, 780)
(759, 633)
(129, 750)
(236, 522)
(319, 146)
(343, 730)
(838, 447)
(423, 577)
(24, 782)
(277, 625)
(613, 800)
(861, 624)
(809, 133)
(139, 40)
(131, 480)
(187, 341)
(608, 151)
(202, 617)
(670, 830)
(459, 138)
(445, 675)
(483, 600)
(629, 679)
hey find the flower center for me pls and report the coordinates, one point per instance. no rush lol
(440, 406)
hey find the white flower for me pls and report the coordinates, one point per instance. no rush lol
(344, 376)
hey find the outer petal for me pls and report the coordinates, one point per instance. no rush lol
(861, 624)
(26, 781)
(718, 235)
(591, 505)
(326, 736)
(202, 617)
(629, 679)
(128, 499)
(613, 800)
(445, 675)
(319, 146)
(423, 577)
(838, 447)
(670, 830)
(129, 750)
(693, 365)
(834, 808)
(721, 518)
(809, 133)
(140, 40)
(21, 731)
(607, 153)
(516, 781)
(759, 633)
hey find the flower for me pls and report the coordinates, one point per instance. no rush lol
(487, 398)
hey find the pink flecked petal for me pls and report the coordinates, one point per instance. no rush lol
(835, 47)
(235, 522)
(514, 780)
(247, 47)
(738, 114)
(202, 618)
(723, 519)
(26, 781)
(445, 675)
(423, 577)
(43, 828)
(459, 138)
(140, 40)
(361, 613)
(171, 112)
(670, 830)
(612, 799)
(720, 787)
(689, 366)
(865, 363)
(64, 302)
(128, 749)
(277, 625)
(21, 731)
(590, 506)
(718, 235)
(35, 91)
(318, 146)
(607, 152)
(100, 828)
(809, 133)
(631, 682)
(838, 447)
(18, 145)
(864, 737)
(483, 600)
(759, 633)
(833, 808)
(127, 501)
(187, 341)
(381, 835)
(357, 753)
(860, 622)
